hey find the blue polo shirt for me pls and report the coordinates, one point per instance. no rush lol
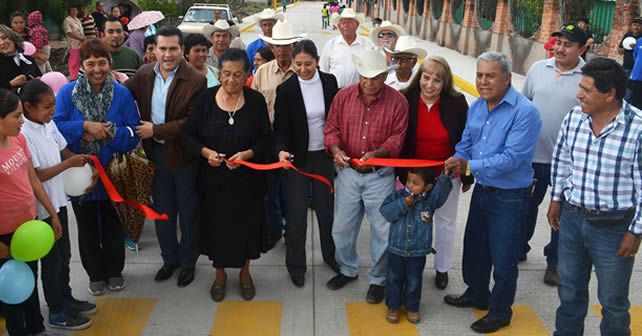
(636, 73)
(500, 144)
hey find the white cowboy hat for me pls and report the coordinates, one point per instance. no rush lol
(282, 34)
(268, 14)
(220, 25)
(371, 63)
(407, 44)
(347, 13)
(386, 25)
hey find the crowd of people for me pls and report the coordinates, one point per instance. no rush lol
(199, 106)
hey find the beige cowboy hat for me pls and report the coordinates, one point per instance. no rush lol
(386, 25)
(347, 13)
(282, 34)
(268, 14)
(408, 45)
(371, 63)
(220, 25)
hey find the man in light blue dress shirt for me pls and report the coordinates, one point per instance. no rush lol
(497, 147)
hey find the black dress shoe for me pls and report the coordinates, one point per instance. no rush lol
(339, 281)
(375, 294)
(165, 272)
(463, 301)
(298, 280)
(185, 277)
(441, 280)
(488, 324)
(248, 291)
(217, 292)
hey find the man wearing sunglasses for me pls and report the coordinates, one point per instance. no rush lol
(385, 36)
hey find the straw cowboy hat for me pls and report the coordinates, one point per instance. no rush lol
(268, 14)
(220, 25)
(407, 44)
(371, 63)
(386, 25)
(282, 34)
(347, 13)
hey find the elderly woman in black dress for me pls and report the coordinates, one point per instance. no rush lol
(230, 121)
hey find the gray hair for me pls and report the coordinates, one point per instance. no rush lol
(15, 38)
(494, 56)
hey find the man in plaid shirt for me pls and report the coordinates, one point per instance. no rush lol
(596, 178)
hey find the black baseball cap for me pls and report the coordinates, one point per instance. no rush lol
(572, 33)
(637, 20)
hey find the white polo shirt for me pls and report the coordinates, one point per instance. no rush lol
(336, 59)
(45, 143)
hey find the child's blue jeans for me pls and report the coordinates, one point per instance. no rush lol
(404, 281)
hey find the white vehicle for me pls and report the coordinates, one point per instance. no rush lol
(202, 14)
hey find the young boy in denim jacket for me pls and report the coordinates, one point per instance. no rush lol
(409, 212)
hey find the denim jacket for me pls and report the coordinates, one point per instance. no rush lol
(411, 226)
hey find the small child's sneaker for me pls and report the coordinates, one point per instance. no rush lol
(97, 288)
(81, 307)
(116, 284)
(131, 245)
(393, 315)
(69, 321)
(414, 317)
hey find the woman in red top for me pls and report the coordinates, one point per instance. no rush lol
(19, 189)
(436, 121)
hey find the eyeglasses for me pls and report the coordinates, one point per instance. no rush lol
(405, 58)
(387, 35)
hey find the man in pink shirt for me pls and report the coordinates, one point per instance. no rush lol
(366, 120)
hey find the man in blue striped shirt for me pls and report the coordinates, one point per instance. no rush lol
(596, 181)
(497, 147)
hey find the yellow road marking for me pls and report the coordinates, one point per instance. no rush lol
(364, 35)
(326, 33)
(120, 316)
(468, 87)
(247, 318)
(368, 319)
(636, 318)
(524, 322)
(367, 29)
(246, 28)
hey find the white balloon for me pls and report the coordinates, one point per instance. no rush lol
(76, 180)
(628, 41)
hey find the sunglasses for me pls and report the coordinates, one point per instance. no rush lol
(387, 35)
(405, 58)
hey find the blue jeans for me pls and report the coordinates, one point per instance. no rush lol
(583, 245)
(404, 281)
(358, 194)
(493, 241)
(175, 193)
(55, 268)
(543, 176)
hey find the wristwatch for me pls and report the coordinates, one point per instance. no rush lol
(467, 173)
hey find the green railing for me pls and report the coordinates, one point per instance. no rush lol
(601, 19)
(457, 8)
(526, 16)
(436, 6)
(486, 13)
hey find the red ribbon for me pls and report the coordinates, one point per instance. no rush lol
(277, 165)
(115, 196)
(401, 163)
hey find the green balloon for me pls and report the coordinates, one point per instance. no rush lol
(31, 241)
